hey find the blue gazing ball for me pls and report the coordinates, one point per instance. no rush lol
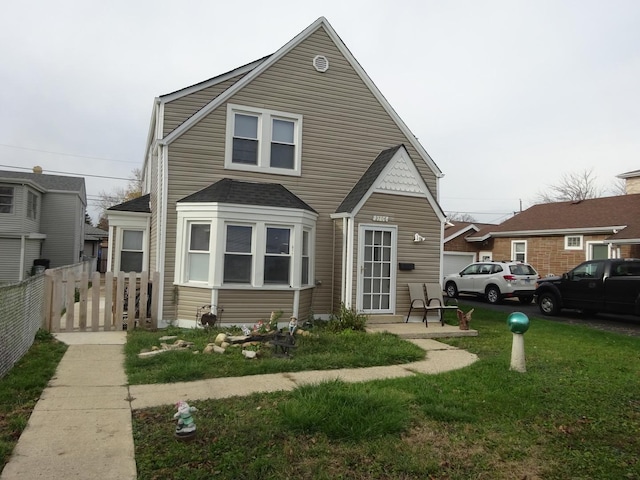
(518, 322)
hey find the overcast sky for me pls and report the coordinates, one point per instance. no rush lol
(505, 95)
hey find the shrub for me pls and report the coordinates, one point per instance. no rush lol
(347, 319)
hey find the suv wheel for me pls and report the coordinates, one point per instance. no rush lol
(493, 294)
(452, 290)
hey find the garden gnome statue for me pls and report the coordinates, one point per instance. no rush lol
(186, 428)
(293, 325)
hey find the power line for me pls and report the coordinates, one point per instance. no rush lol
(75, 174)
(66, 154)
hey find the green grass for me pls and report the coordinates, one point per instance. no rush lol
(21, 388)
(575, 414)
(320, 351)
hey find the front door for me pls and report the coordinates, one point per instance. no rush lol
(376, 272)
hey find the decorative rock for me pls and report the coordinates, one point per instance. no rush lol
(150, 354)
(225, 344)
(166, 338)
(155, 347)
(222, 337)
(208, 348)
(218, 349)
(249, 353)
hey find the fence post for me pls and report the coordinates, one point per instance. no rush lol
(144, 297)
(131, 302)
(156, 298)
(84, 293)
(119, 301)
(108, 300)
(70, 301)
(95, 301)
(48, 300)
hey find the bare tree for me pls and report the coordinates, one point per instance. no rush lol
(119, 195)
(572, 186)
(461, 217)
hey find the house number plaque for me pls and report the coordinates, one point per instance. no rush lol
(380, 218)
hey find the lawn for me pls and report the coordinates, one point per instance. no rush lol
(574, 414)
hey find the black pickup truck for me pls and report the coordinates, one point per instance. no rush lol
(611, 286)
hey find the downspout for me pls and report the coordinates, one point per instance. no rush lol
(333, 266)
(349, 286)
(23, 253)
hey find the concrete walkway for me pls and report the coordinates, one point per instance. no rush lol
(81, 426)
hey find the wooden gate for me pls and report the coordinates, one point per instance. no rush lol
(100, 302)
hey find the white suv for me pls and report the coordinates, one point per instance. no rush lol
(494, 281)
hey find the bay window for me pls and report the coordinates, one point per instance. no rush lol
(238, 258)
(277, 256)
(198, 253)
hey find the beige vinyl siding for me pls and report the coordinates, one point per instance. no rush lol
(179, 110)
(304, 308)
(190, 299)
(410, 215)
(344, 130)
(248, 307)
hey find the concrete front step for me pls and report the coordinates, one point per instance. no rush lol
(376, 319)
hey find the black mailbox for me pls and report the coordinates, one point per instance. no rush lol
(406, 266)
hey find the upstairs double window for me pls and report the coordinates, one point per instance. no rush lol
(6, 199)
(263, 140)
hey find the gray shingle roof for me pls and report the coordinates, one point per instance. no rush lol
(247, 193)
(366, 181)
(48, 182)
(140, 205)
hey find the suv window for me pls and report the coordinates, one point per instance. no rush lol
(522, 269)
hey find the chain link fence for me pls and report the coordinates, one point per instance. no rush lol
(21, 315)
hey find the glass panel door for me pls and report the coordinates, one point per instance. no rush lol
(377, 275)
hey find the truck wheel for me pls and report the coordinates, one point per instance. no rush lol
(548, 303)
(493, 294)
(525, 300)
(452, 290)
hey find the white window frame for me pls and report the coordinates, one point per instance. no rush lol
(118, 222)
(257, 217)
(265, 121)
(202, 253)
(251, 253)
(13, 199)
(568, 238)
(305, 257)
(514, 253)
(32, 205)
(140, 251)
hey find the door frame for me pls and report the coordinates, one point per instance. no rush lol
(393, 229)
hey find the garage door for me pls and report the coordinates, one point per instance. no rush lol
(453, 262)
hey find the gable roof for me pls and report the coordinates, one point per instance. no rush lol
(247, 193)
(46, 181)
(94, 233)
(137, 205)
(388, 174)
(256, 68)
(606, 214)
(455, 229)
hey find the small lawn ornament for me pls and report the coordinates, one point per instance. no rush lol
(293, 325)
(518, 324)
(464, 319)
(186, 428)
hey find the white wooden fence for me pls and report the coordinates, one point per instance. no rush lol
(105, 302)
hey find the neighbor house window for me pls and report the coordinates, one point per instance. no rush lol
(32, 205)
(277, 258)
(238, 258)
(573, 242)
(6, 199)
(198, 253)
(131, 254)
(263, 140)
(519, 251)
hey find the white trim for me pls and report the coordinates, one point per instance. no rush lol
(589, 249)
(393, 229)
(255, 72)
(348, 290)
(513, 252)
(265, 119)
(572, 247)
(460, 232)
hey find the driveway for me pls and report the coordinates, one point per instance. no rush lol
(623, 324)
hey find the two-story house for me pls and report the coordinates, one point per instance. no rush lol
(41, 217)
(288, 184)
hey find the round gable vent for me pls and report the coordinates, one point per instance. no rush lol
(321, 63)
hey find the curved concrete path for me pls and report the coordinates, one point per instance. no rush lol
(81, 426)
